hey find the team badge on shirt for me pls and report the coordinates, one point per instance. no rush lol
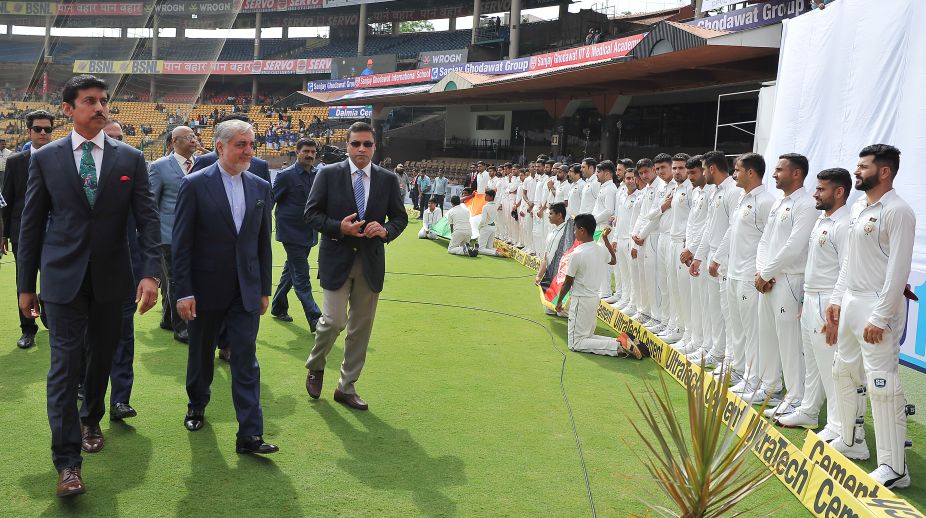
(869, 226)
(785, 214)
(747, 211)
(822, 238)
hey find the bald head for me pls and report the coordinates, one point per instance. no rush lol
(184, 141)
(113, 130)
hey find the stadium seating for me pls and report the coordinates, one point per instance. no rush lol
(403, 45)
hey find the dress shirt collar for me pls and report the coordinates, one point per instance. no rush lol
(883, 200)
(757, 191)
(77, 140)
(798, 194)
(841, 212)
(604, 184)
(182, 161)
(354, 168)
(226, 175)
(726, 183)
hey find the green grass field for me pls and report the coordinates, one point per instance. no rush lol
(466, 416)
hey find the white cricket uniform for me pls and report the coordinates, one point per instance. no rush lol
(737, 253)
(627, 266)
(603, 212)
(782, 256)
(879, 250)
(679, 285)
(826, 250)
(589, 195)
(700, 331)
(461, 229)
(719, 214)
(487, 228)
(575, 198)
(541, 193)
(620, 283)
(511, 226)
(549, 251)
(647, 253)
(652, 229)
(430, 217)
(482, 181)
(588, 264)
(525, 216)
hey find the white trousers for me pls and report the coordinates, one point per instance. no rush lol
(526, 239)
(457, 239)
(537, 233)
(670, 297)
(583, 314)
(746, 350)
(696, 307)
(779, 340)
(880, 362)
(636, 272)
(715, 338)
(650, 284)
(818, 361)
(736, 354)
(684, 297)
(424, 234)
(624, 270)
(487, 240)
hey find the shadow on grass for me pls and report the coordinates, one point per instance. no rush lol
(386, 458)
(122, 465)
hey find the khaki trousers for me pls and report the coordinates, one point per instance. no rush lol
(358, 319)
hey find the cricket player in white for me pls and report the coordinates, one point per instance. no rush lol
(431, 216)
(488, 224)
(461, 230)
(558, 222)
(525, 212)
(650, 230)
(627, 266)
(592, 186)
(604, 210)
(646, 284)
(614, 273)
(737, 252)
(870, 313)
(587, 265)
(720, 211)
(680, 208)
(698, 319)
(574, 199)
(782, 257)
(826, 250)
(541, 192)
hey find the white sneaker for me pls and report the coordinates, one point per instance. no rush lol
(690, 347)
(656, 328)
(827, 434)
(783, 408)
(644, 320)
(621, 304)
(696, 355)
(711, 361)
(742, 386)
(604, 296)
(857, 451)
(735, 378)
(612, 299)
(796, 419)
(890, 478)
(672, 338)
(757, 397)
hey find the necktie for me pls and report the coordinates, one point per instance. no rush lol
(88, 172)
(359, 194)
(189, 165)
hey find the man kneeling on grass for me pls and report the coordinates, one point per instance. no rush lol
(588, 265)
(461, 230)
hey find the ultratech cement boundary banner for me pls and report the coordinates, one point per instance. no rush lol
(826, 483)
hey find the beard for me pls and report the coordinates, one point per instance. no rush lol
(866, 184)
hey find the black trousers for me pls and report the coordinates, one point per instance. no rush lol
(28, 326)
(70, 326)
(169, 313)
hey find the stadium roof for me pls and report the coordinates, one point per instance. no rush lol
(671, 57)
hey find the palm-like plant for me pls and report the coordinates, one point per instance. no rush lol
(707, 476)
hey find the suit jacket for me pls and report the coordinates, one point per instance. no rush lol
(212, 261)
(470, 180)
(258, 166)
(63, 235)
(291, 189)
(165, 175)
(14, 192)
(331, 200)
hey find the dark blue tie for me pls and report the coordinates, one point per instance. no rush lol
(359, 194)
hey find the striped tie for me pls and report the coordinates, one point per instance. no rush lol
(88, 172)
(359, 194)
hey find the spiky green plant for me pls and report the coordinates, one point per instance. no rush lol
(707, 475)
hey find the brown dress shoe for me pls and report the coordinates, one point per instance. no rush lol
(69, 482)
(91, 438)
(350, 400)
(313, 383)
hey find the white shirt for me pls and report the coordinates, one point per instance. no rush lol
(553, 239)
(588, 264)
(514, 186)
(604, 204)
(182, 162)
(562, 191)
(589, 195)
(431, 217)
(458, 217)
(527, 189)
(482, 180)
(748, 225)
(366, 179)
(97, 152)
(575, 197)
(665, 222)
(540, 193)
(719, 212)
(697, 218)
(627, 216)
(878, 255)
(826, 249)
(650, 209)
(489, 215)
(783, 249)
(681, 208)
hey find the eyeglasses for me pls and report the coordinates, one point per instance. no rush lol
(365, 143)
(42, 129)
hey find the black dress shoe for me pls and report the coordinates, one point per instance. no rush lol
(80, 392)
(121, 411)
(254, 444)
(283, 317)
(25, 341)
(182, 336)
(166, 326)
(313, 324)
(194, 421)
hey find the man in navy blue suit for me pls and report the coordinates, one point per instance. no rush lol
(291, 189)
(222, 263)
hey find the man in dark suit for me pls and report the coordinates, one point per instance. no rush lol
(39, 125)
(165, 175)
(357, 207)
(89, 183)
(470, 179)
(222, 264)
(291, 189)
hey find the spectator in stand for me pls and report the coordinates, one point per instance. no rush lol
(590, 37)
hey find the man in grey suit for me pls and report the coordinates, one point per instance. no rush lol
(165, 175)
(358, 209)
(79, 196)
